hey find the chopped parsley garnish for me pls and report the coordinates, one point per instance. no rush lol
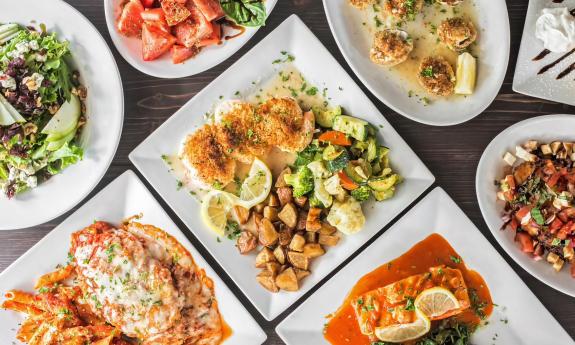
(409, 305)
(477, 304)
(455, 259)
(312, 91)
(427, 72)
(232, 230)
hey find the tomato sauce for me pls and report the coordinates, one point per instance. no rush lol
(342, 327)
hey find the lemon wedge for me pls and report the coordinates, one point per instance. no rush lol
(466, 74)
(400, 333)
(216, 206)
(435, 302)
(256, 186)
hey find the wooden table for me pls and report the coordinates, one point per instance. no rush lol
(451, 153)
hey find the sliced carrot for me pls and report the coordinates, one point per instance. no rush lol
(335, 137)
(346, 182)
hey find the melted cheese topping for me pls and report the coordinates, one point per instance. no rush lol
(126, 285)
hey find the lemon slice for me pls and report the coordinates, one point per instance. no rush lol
(466, 74)
(216, 206)
(435, 302)
(256, 186)
(404, 332)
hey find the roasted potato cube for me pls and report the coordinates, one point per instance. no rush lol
(555, 146)
(280, 255)
(280, 182)
(288, 215)
(523, 171)
(313, 250)
(259, 208)
(246, 242)
(558, 265)
(297, 243)
(241, 214)
(313, 223)
(267, 234)
(568, 147)
(271, 213)
(300, 201)
(301, 220)
(285, 236)
(273, 200)
(285, 195)
(298, 260)
(328, 240)
(568, 253)
(545, 149)
(552, 258)
(530, 145)
(300, 274)
(311, 237)
(264, 256)
(252, 224)
(287, 280)
(273, 268)
(266, 279)
(327, 229)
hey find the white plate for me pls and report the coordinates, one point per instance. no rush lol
(437, 212)
(321, 69)
(105, 113)
(526, 80)
(124, 197)
(493, 42)
(131, 48)
(543, 129)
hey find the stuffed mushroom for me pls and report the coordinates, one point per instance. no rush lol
(390, 47)
(436, 76)
(457, 33)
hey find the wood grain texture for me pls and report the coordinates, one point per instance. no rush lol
(451, 153)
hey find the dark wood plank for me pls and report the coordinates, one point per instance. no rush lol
(451, 153)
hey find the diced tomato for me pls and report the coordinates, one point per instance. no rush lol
(190, 32)
(346, 182)
(214, 39)
(549, 167)
(523, 212)
(554, 179)
(155, 42)
(513, 224)
(555, 225)
(566, 230)
(525, 241)
(130, 22)
(181, 53)
(211, 9)
(335, 137)
(159, 25)
(153, 14)
(175, 12)
(148, 3)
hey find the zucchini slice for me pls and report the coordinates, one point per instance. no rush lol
(382, 184)
(352, 126)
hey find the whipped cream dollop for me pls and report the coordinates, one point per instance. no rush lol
(556, 28)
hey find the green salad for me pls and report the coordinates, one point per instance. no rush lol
(41, 108)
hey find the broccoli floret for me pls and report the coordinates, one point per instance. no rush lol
(361, 194)
(315, 202)
(301, 181)
(307, 155)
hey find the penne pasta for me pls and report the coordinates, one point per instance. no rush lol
(20, 297)
(54, 277)
(21, 307)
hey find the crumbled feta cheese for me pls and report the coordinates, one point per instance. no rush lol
(562, 200)
(7, 81)
(33, 82)
(509, 158)
(41, 57)
(32, 181)
(22, 47)
(33, 45)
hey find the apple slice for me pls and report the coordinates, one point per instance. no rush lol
(65, 120)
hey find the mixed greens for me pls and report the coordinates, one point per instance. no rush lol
(245, 12)
(41, 108)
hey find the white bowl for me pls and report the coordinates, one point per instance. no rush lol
(105, 113)
(493, 42)
(131, 49)
(543, 129)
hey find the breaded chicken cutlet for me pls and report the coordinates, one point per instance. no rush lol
(242, 133)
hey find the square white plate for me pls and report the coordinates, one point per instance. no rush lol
(528, 320)
(126, 196)
(322, 70)
(526, 80)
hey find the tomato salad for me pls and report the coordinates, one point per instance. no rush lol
(538, 192)
(185, 27)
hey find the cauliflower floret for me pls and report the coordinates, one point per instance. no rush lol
(318, 169)
(319, 174)
(333, 186)
(346, 216)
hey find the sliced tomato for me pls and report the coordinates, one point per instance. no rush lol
(555, 225)
(181, 53)
(525, 241)
(148, 3)
(346, 182)
(130, 22)
(554, 179)
(523, 212)
(153, 15)
(175, 12)
(190, 32)
(566, 230)
(211, 9)
(214, 39)
(335, 137)
(155, 42)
